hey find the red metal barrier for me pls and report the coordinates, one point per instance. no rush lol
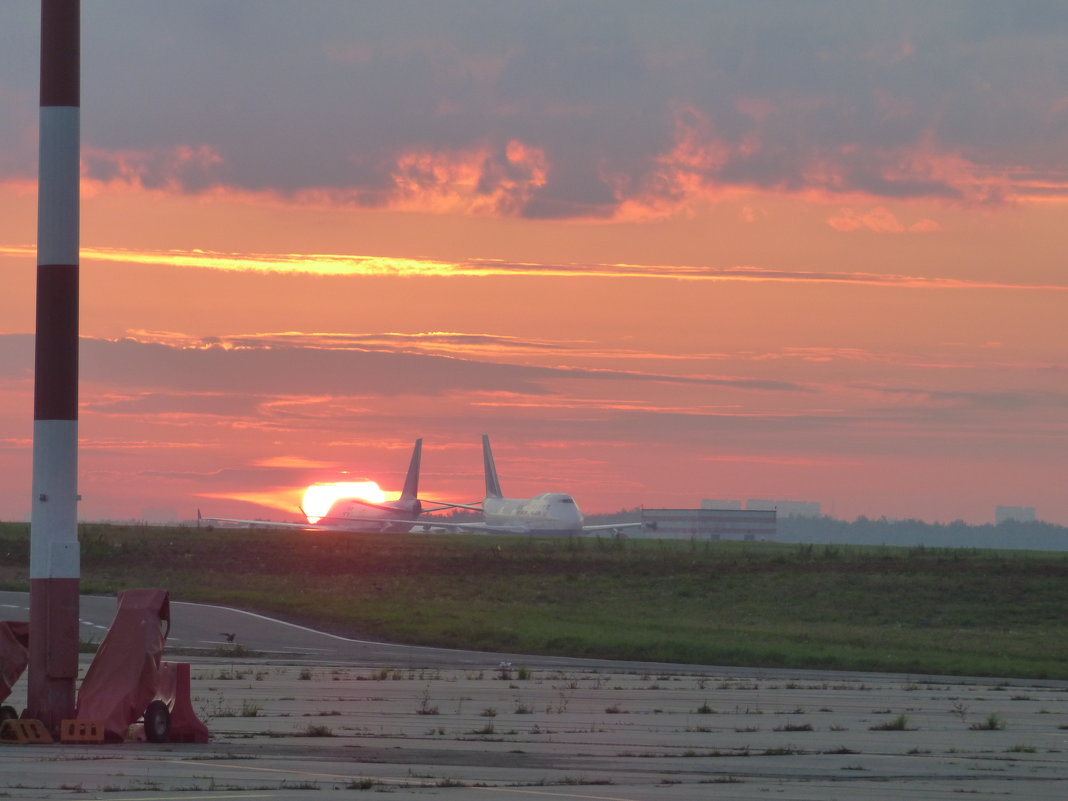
(172, 688)
(127, 682)
(121, 680)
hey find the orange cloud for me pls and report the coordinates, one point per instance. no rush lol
(292, 461)
(1030, 186)
(678, 178)
(137, 445)
(801, 461)
(619, 405)
(691, 174)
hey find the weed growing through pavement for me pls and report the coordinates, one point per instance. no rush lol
(900, 723)
(785, 750)
(561, 705)
(216, 707)
(960, 709)
(993, 722)
(361, 784)
(581, 780)
(424, 707)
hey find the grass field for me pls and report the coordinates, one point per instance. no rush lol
(915, 610)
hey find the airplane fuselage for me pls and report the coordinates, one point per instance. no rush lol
(552, 513)
(347, 514)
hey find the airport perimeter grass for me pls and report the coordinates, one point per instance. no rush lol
(916, 610)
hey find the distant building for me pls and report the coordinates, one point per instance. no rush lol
(786, 508)
(709, 503)
(708, 524)
(1017, 514)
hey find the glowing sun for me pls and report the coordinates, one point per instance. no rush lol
(318, 498)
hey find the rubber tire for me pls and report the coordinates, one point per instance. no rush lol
(157, 722)
(8, 713)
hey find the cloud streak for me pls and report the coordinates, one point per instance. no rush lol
(386, 266)
(210, 374)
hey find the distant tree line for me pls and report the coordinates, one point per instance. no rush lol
(958, 534)
(1031, 536)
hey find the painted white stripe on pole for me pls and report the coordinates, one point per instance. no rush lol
(58, 186)
(55, 492)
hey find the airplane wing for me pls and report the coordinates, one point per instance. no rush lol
(322, 524)
(426, 522)
(474, 527)
(483, 528)
(611, 526)
(342, 523)
(263, 523)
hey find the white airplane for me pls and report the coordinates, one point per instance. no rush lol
(357, 514)
(550, 513)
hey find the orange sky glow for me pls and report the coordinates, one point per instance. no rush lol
(819, 280)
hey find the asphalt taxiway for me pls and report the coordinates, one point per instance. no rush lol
(314, 715)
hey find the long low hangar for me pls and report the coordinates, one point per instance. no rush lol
(709, 524)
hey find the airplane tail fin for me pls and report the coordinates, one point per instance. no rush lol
(411, 482)
(493, 484)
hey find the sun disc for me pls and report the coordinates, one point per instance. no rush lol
(318, 498)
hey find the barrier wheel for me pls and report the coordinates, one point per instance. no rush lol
(8, 713)
(157, 722)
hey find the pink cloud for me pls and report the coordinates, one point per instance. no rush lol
(880, 220)
(169, 170)
(473, 181)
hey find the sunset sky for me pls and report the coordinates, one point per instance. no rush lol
(659, 252)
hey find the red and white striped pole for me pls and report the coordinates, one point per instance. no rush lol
(55, 565)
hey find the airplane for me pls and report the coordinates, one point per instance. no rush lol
(356, 514)
(547, 514)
